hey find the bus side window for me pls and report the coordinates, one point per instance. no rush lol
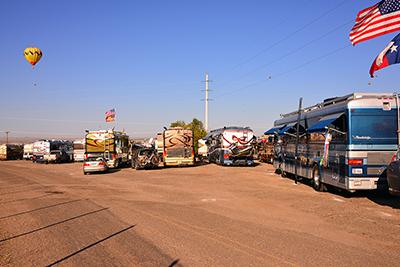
(340, 135)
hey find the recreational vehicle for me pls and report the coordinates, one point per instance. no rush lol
(47, 151)
(231, 146)
(110, 144)
(11, 152)
(79, 150)
(175, 147)
(346, 142)
(28, 151)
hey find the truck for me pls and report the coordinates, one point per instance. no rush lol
(231, 146)
(110, 144)
(28, 151)
(79, 150)
(52, 151)
(11, 152)
(175, 147)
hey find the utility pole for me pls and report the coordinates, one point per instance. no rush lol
(7, 132)
(206, 107)
(296, 153)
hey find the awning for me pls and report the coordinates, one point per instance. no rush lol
(323, 123)
(273, 130)
(286, 128)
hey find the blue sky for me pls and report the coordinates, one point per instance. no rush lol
(147, 59)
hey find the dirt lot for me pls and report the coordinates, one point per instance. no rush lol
(201, 216)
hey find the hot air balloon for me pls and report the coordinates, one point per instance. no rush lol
(33, 55)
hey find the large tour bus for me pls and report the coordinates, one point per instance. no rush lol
(176, 147)
(231, 146)
(346, 142)
(79, 150)
(110, 144)
(52, 151)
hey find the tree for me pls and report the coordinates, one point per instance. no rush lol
(196, 126)
(178, 124)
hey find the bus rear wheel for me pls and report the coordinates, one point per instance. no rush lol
(317, 183)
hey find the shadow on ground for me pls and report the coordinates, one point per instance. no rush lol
(380, 197)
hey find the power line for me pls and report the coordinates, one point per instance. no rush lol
(74, 121)
(291, 34)
(288, 71)
(292, 52)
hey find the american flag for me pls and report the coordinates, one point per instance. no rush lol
(379, 19)
(110, 115)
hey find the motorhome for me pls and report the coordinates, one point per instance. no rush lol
(231, 146)
(346, 142)
(11, 152)
(79, 150)
(110, 144)
(28, 151)
(46, 151)
(175, 147)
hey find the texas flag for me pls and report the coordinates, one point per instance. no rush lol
(389, 56)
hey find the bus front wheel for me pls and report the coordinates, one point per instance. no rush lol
(316, 181)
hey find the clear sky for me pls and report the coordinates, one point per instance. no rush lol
(147, 59)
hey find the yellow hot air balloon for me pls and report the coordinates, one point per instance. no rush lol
(33, 55)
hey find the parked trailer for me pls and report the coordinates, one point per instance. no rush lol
(175, 147)
(346, 142)
(28, 151)
(57, 151)
(79, 150)
(110, 144)
(231, 146)
(11, 152)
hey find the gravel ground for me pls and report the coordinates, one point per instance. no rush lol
(201, 216)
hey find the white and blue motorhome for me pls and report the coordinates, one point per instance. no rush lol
(346, 142)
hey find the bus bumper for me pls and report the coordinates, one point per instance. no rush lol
(362, 183)
(238, 162)
(179, 162)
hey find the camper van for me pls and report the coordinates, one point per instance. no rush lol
(175, 147)
(110, 144)
(231, 146)
(57, 151)
(345, 142)
(79, 150)
(28, 151)
(11, 152)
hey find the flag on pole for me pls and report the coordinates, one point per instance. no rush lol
(377, 20)
(389, 56)
(110, 115)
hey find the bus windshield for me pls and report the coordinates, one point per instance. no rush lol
(378, 127)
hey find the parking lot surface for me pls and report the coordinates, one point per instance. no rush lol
(201, 216)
